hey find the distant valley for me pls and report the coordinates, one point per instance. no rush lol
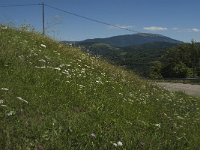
(135, 51)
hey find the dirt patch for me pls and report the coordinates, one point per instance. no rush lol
(189, 89)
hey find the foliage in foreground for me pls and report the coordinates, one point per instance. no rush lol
(57, 97)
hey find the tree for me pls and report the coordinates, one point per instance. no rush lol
(195, 50)
(181, 61)
(155, 70)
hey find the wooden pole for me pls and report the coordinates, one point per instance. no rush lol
(43, 28)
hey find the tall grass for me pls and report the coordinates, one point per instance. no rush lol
(56, 97)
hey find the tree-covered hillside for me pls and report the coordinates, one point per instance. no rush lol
(138, 58)
(179, 62)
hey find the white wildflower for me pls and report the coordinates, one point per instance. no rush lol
(4, 27)
(97, 81)
(42, 67)
(4, 89)
(21, 99)
(35, 54)
(47, 57)
(11, 113)
(65, 72)
(179, 117)
(42, 45)
(157, 125)
(62, 65)
(83, 70)
(103, 74)
(93, 135)
(81, 86)
(119, 143)
(3, 105)
(21, 57)
(42, 60)
(115, 144)
(1, 101)
(57, 68)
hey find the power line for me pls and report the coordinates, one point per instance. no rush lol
(18, 5)
(91, 19)
(71, 13)
(43, 17)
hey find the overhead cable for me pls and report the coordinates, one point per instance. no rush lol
(91, 19)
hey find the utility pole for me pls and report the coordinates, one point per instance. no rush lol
(193, 57)
(43, 28)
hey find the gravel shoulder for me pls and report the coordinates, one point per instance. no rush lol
(189, 89)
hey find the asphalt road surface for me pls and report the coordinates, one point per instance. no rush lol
(189, 89)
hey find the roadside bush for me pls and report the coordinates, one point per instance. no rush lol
(178, 70)
(155, 70)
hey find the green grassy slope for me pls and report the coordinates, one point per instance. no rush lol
(61, 98)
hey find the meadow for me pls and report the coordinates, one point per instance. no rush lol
(54, 96)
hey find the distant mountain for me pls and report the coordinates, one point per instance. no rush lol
(130, 40)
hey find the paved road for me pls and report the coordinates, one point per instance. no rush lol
(189, 89)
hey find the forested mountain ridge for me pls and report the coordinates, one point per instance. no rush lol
(132, 39)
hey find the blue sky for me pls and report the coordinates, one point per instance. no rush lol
(178, 19)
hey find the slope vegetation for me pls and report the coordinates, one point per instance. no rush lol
(56, 97)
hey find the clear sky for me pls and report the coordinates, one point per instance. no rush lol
(178, 19)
